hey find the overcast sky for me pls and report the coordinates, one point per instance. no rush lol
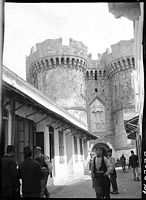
(31, 23)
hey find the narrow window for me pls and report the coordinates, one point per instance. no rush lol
(96, 90)
(95, 75)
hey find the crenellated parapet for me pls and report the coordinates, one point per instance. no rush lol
(120, 58)
(93, 74)
(121, 64)
(51, 54)
(48, 63)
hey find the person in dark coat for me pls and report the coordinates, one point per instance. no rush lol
(123, 162)
(133, 162)
(100, 169)
(9, 175)
(44, 167)
(30, 173)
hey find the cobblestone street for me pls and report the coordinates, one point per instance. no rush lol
(82, 188)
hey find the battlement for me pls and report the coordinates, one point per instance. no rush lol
(119, 50)
(54, 47)
(121, 57)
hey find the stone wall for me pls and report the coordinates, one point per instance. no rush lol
(59, 72)
(109, 80)
(95, 91)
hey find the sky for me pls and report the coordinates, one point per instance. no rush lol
(29, 23)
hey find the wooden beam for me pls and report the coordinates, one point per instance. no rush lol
(34, 113)
(60, 126)
(68, 133)
(66, 128)
(53, 122)
(19, 107)
(41, 120)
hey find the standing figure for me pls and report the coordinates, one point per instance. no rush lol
(91, 158)
(9, 175)
(50, 166)
(44, 167)
(123, 162)
(100, 170)
(30, 173)
(133, 162)
(113, 173)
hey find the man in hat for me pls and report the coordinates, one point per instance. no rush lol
(100, 169)
(40, 158)
(30, 173)
(113, 174)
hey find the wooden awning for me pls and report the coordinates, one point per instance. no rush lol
(132, 127)
(28, 94)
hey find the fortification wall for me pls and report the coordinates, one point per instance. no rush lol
(59, 71)
(109, 80)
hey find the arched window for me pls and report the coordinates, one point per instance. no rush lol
(57, 61)
(95, 74)
(67, 61)
(73, 61)
(104, 72)
(47, 62)
(128, 61)
(62, 61)
(91, 73)
(87, 75)
(52, 62)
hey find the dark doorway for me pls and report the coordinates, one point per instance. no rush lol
(40, 140)
(3, 137)
(51, 139)
(51, 144)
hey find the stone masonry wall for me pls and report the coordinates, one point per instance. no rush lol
(58, 71)
(95, 91)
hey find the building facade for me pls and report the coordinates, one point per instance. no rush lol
(30, 118)
(98, 92)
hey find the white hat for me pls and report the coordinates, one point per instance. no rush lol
(38, 148)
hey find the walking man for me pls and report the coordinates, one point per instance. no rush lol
(44, 167)
(123, 162)
(9, 175)
(133, 162)
(100, 169)
(113, 173)
(30, 173)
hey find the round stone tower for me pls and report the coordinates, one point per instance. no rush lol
(110, 94)
(59, 72)
(119, 66)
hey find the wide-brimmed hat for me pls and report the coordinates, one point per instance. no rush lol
(38, 148)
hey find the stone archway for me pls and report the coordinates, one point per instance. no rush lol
(104, 146)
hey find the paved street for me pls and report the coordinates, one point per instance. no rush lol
(81, 188)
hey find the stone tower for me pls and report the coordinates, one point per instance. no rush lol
(98, 92)
(59, 71)
(110, 94)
